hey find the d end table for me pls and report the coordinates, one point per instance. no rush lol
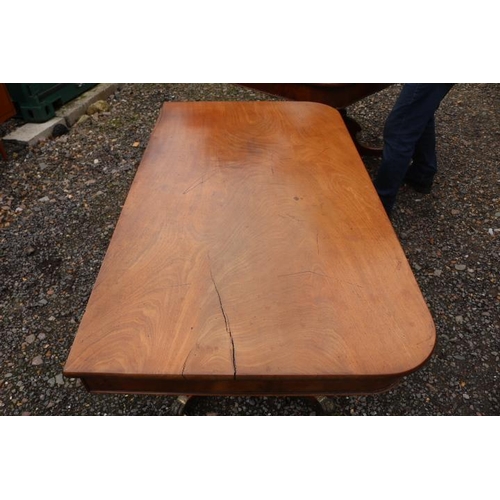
(252, 257)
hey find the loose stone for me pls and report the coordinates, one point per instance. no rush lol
(37, 360)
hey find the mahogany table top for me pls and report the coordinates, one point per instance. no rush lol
(252, 256)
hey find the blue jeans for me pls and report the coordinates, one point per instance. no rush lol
(410, 140)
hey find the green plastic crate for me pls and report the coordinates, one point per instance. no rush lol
(38, 102)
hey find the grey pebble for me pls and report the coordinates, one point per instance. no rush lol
(37, 360)
(30, 339)
(460, 267)
(44, 199)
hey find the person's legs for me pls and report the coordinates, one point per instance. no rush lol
(423, 167)
(410, 121)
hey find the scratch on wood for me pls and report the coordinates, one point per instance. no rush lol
(288, 216)
(302, 272)
(428, 339)
(353, 284)
(200, 181)
(181, 284)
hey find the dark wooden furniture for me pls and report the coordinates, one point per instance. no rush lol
(252, 256)
(7, 110)
(336, 95)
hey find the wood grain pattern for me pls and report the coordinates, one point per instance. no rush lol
(252, 255)
(337, 95)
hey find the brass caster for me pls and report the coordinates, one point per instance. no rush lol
(326, 406)
(179, 406)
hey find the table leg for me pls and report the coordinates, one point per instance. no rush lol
(179, 405)
(2, 151)
(324, 405)
(354, 128)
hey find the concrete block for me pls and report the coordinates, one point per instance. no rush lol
(31, 133)
(67, 115)
(78, 107)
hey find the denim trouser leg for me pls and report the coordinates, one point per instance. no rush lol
(409, 133)
(423, 166)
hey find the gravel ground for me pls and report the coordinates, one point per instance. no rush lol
(60, 201)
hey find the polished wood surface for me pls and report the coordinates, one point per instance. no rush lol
(7, 110)
(252, 256)
(337, 95)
